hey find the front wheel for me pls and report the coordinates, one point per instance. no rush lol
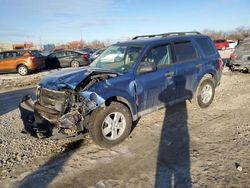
(111, 125)
(205, 92)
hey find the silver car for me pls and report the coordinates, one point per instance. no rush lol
(240, 58)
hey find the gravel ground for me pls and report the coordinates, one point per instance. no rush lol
(178, 146)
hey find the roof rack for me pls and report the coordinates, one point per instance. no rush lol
(167, 34)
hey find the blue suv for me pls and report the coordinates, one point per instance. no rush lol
(128, 80)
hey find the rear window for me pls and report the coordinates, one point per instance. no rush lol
(184, 51)
(205, 46)
(220, 41)
(243, 47)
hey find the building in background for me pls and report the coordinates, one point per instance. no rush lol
(6, 46)
(24, 46)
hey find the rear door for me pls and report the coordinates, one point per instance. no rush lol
(156, 88)
(73, 56)
(187, 64)
(62, 58)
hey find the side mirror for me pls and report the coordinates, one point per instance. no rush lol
(147, 67)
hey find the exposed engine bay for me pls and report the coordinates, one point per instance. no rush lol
(66, 109)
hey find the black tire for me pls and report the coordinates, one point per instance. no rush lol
(98, 121)
(22, 70)
(75, 64)
(207, 81)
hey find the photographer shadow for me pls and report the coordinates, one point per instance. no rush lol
(173, 161)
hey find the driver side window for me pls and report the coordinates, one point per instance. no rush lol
(160, 55)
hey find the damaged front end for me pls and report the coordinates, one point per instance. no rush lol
(67, 110)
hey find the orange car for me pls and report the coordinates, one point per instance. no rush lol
(21, 61)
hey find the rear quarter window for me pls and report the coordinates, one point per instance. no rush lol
(184, 51)
(205, 46)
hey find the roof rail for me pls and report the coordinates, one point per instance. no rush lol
(167, 34)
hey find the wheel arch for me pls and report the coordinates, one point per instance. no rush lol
(21, 63)
(209, 74)
(124, 102)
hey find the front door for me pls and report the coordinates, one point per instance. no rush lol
(156, 88)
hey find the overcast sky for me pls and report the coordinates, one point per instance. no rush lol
(66, 20)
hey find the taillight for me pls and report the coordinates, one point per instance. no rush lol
(220, 63)
(233, 56)
(85, 56)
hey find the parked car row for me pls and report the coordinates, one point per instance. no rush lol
(21, 61)
(26, 61)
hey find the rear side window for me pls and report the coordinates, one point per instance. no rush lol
(69, 53)
(205, 46)
(20, 53)
(60, 54)
(184, 51)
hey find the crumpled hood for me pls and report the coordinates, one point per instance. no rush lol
(63, 78)
(68, 78)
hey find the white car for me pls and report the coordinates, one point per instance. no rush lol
(232, 43)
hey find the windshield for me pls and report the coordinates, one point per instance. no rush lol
(118, 58)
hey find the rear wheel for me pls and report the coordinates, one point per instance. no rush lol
(75, 64)
(204, 94)
(111, 125)
(22, 70)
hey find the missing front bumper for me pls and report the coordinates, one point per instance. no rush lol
(47, 122)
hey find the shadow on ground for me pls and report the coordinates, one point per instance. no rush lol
(46, 173)
(10, 100)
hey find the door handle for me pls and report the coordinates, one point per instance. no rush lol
(198, 65)
(169, 74)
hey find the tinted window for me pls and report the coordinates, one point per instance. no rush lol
(20, 53)
(184, 51)
(1, 55)
(161, 56)
(206, 46)
(9, 54)
(60, 54)
(70, 53)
